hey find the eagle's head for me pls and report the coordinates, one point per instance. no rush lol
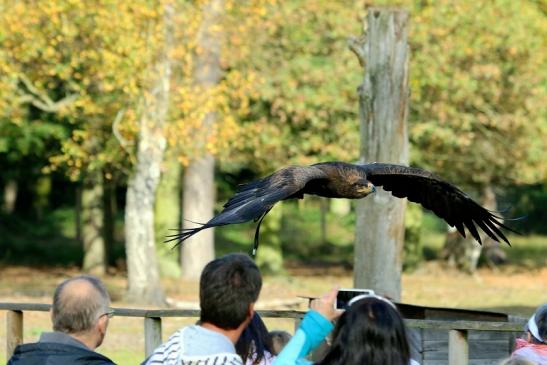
(353, 184)
(364, 187)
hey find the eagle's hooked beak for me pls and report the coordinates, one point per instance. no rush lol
(369, 188)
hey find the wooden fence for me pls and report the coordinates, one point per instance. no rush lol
(458, 347)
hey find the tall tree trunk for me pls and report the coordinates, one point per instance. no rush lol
(92, 229)
(199, 189)
(383, 99)
(198, 204)
(142, 269)
(10, 196)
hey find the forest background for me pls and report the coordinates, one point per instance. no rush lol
(119, 120)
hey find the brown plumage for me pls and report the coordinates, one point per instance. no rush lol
(351, 181)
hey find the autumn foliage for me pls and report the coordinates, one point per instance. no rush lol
(72, 74)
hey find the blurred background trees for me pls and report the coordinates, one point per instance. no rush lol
(76, 81)
(479, 100)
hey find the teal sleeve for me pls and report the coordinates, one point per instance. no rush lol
(313, 329)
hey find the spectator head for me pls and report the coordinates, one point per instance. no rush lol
(537, 325)
(229, 286)
(254, 342)
(370, 331)
(279, 340)
(81, 309)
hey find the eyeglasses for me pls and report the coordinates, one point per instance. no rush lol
(364, 296)
(109, 313)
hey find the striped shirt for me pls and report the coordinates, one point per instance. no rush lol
(195, 345)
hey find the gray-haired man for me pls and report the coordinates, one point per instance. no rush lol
(80, 314)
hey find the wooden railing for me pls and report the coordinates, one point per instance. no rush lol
(458, 347)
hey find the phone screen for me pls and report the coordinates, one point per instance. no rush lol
(345, 295)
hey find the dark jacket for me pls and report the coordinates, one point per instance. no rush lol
(64, 350)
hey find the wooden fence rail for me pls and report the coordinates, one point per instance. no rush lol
(457, 343)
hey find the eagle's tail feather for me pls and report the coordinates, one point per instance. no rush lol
(183, 235)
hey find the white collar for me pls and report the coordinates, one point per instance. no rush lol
(533, 328)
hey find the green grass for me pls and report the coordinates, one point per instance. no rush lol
(303, 221)
(52, 240)
(300, 220)
(47, 241)
(39, 241)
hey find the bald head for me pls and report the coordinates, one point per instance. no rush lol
(78, 303)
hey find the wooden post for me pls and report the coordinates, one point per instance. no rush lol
(152, 334)
(458, 348)
(14, 331)
(383, 107)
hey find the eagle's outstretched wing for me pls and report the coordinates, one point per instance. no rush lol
(441, 197)
(254, 200)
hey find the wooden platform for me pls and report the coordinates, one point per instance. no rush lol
(430, 346)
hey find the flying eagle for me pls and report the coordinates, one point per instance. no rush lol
(254, 200)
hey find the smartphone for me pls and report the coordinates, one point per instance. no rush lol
(345, 295)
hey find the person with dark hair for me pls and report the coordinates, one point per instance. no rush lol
(229, 287)
(370, 331)
(255, 344)
(534, 347)
(80, 315)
